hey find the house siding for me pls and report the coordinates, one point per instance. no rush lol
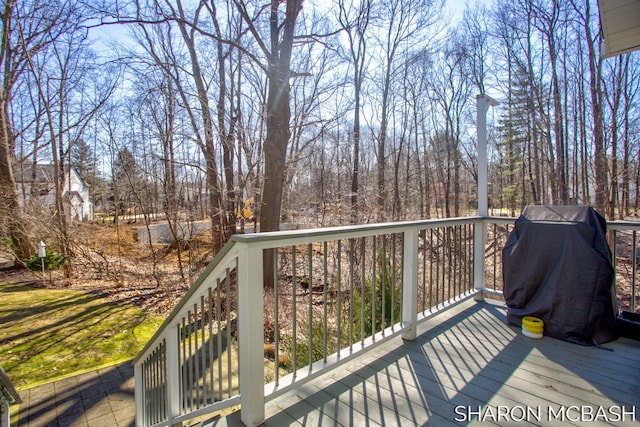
(77, 200)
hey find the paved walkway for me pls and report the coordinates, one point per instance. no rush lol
(99, 398)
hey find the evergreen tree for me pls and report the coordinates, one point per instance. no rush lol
(127, 183)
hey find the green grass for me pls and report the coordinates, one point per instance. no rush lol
(51, 333)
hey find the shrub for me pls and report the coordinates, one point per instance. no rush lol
(52, 260)
(302, 345)
(364, 303)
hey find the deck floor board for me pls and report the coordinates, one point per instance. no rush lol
(467, 359)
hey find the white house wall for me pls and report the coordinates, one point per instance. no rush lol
(78, 205)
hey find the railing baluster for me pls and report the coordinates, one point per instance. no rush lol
(229, 333)
(151, 403)
(384, 284)
(499, 241)
(310, 308)
(163, 378)
(184, 364)
(276, 320)
(431, 268)
(192, 367)
(155, 385)
(423, 235)
(455, 258)
(351, 288)
(339, 293)
(199, 353)
(363, 254)
(448, 259)
(174, 393)
(457, 271)
(152, 383)
(211, 347)
(438, 256)
(294, 314)
(614, 252)
(394, 282)
(325, 302)
(147, 416)
(374, 282)
(468, 259)
(219, 333)
(634, 269)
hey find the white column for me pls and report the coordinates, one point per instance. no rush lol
(482, 105)
(251, 334)
(410, 285)
(138, 394)
(483, 102)
(173, 374)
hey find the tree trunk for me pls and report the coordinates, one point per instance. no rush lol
(600, 156)
(278, 117)
(226, 136)
(10, 208)
(216, 213)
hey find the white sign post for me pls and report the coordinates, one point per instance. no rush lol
(42, 253)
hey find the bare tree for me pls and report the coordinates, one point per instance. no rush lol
(277, 51)
(451, 88)
(549, 24)
(613, 98)
(631, 88)
(64, 83)
(40, 24)
(595, 77)
(404, 25)
(355, 19)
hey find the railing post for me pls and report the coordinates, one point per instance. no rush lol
(173, 374)
(410, 284)
(479, 243)
(483, 102)
(138, 395)
(8, 396)
(4, 414)
(251, 334)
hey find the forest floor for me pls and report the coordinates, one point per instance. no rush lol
(109, 262)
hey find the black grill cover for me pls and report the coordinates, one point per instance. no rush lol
(557, 267)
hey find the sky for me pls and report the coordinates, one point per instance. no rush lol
(457, 7)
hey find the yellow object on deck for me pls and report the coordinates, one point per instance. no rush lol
(532, 327)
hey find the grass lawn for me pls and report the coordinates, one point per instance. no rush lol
(50, 333)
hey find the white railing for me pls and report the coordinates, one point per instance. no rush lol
(8, 396)
(623, 240)
(336, 292)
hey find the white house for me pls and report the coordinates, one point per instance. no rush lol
(38, 180)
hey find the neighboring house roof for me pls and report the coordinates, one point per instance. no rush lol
(43, 173)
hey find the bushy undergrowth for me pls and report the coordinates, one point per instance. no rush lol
(377, 297)
(52, 260)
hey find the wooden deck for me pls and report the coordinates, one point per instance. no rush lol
(468, 367)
